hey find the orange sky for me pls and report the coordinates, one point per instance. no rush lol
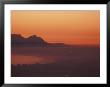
(70, 27)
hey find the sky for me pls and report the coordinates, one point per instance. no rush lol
(79, 27)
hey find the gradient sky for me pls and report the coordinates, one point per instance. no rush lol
(70, 27)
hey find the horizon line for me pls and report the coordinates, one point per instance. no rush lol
(58, 42)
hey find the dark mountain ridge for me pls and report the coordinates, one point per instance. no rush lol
(19, 40)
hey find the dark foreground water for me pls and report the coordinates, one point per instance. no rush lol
(72, 61)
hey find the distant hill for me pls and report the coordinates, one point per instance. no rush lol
(19, 40)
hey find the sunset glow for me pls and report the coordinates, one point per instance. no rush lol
(70, 27)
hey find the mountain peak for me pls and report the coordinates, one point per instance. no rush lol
(17, 39)
(33, 36)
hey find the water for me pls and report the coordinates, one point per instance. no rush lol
(55, 61)
(22, 59)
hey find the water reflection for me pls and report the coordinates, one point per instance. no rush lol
(23, 59)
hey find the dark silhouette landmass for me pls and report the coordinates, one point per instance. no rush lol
(63, 69)
(19, 40)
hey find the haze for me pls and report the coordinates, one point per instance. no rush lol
(70, 27)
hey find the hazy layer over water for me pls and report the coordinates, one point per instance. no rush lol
(30, 55)
(56, 61)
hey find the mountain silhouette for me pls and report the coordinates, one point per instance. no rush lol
(34, 40)
(17, 39)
